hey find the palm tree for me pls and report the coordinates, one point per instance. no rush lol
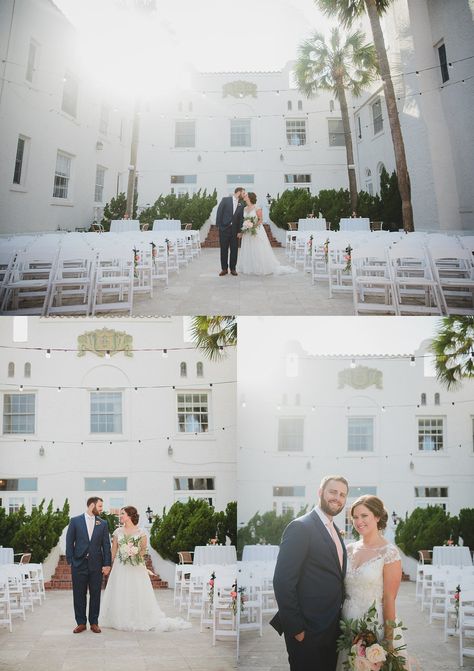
(347, 11)
(213, 334)
(343, 65)
(453, 347)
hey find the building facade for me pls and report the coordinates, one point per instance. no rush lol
(383, 422)
(65, 141)
(125, 409)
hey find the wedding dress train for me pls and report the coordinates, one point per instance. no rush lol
(256, 256)
(129, 601)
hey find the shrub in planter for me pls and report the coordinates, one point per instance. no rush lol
(334, 204)
(293, 204)
(112, 521)
(425, 528)
(10, 524)
(116, 209)
(391, 200)
(466, 526)
(265, 528)
(40, 531)
(369, 206)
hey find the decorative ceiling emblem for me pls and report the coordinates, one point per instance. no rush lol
(360, 377)
(239, 89)
(105, 341)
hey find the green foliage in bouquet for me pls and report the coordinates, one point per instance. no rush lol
(186, 525)
(424, 528)
(40, 532)
(116, 209)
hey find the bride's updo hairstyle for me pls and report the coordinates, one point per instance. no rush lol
(132, 512)
(375, 505)
(252, 197)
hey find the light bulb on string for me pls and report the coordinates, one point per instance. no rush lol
(412, 361)
(164, 354)
(48, 354)
(353, 363)
(107, 354)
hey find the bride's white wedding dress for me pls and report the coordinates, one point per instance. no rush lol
(129, 601)
(256, 256)
(364, 584)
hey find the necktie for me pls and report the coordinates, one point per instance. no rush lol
(336, 540)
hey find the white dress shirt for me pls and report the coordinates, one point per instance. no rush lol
(329, 524)
(90, 522)
(235, 202)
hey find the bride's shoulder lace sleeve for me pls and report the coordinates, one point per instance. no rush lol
(116, 533)
(391, 554)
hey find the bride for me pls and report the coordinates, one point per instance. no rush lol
(374, 570)
(256, 256)
(129, 601)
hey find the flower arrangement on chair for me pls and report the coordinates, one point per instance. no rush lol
(210, 592)
(457, 594)
(348, 259)
(326, 250)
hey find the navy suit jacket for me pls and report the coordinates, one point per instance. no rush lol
(79, 548)
(227, 217)
(308, 579)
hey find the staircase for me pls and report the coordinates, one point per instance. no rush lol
(62, 576)
(212, 239)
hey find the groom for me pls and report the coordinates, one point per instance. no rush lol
(229, 219)
(88, 553)
(309, 581)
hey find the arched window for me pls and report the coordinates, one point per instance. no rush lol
(423, 399)
(380, 167)
(199, 369)
(27, 369)
(297, 399)
(331, 105)
(289, 105)
(369, 187)
(11, 369)
(300, 105)
(183, 369)
(436, 398)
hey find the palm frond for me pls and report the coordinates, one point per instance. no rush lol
(213, 333)
(453, 348)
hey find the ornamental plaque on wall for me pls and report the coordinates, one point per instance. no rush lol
(239, 89)
(360, 377)
(105, 340)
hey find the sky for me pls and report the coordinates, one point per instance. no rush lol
(213, 35)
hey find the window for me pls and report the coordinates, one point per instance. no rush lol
(284, 399)
(240, 179)
(200, 369)
(430, 434)
(331, 105)
(106, 412)
(18, 484)
(336, 133)
(423, 399)
(368, 181)
(443, 62)
(19, 413)
(300, 105)
(240, 133)
(104, 119)
(431, 492)
(105, 484)
(185, 134)
(27, 369)
(377, 116)
(290, 434)
(360, 434)
(183, 179)
(99, 184)
(30, 65)
(190, 107)
(20, 160)
(183, 369)
(193, 483)
(292, 365)
(62, 176)
(355, 492)
(69, 102)
(297, 399)
(14, 505)
(11, 369)
(359, 129)
(193, 413)
(289, 491)
(436, 399)
(289, 106)
(297, 179)
(296, 132)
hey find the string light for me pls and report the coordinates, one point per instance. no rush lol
(412, 361)
(48, 354)
(353, 363)
(107, 354)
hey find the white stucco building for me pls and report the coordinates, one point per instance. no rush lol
(146, 426)
(388, 426)
(65, 141)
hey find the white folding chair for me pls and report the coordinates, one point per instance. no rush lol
(466, 624)
(27, 288)
(453, 270)
(416, 290)
(5, 611)
(72, 283)
(113, 290)
(372, 283)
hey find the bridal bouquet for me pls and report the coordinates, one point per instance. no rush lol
(366, 651)
(250, 224)
(129, 550)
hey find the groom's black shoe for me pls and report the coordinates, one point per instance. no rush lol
(234, 272)
(79, 628)
(96, 629)
(222, 273)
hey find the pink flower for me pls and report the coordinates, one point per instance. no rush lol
(211, 582)
(376, 654)
(362, 664)
(358, 649)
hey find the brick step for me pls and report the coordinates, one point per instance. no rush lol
(61, 578)
(212, 239)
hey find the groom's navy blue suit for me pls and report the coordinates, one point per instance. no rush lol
(309, 589)
(86, 558)
(229, 224)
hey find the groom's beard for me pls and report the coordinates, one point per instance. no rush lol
(332, 509)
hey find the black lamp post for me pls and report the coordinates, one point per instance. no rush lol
(149, 514)
(269, 199)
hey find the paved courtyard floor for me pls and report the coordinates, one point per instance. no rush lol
(45, 642)
(425, 642)
(198, 290)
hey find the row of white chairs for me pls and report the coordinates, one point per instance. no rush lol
(410, 275)
(21, 587)
(88, 277)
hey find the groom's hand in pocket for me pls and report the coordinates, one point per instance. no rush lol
(300, 637)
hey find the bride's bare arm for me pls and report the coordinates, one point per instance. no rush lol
(392, 575)
(114, 547)
(259, 215)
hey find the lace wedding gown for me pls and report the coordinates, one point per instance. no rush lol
(364, 584)
(129, 602)
(256, 256)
